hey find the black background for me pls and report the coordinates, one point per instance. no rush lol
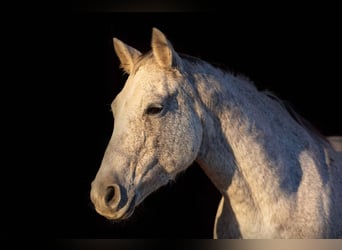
(294, 52)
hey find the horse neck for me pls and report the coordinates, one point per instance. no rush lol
(245, 136)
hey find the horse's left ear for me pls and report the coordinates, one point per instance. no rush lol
(163, 50)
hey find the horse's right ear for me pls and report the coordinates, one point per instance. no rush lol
(127, 55)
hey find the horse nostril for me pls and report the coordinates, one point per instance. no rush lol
(110, 194)
(115, 197)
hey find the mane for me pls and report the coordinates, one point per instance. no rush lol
(224, 69)
(286, 106)
(303, 122)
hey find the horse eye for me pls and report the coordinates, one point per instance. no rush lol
(154, 109)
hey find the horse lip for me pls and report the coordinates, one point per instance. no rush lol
(130, 208)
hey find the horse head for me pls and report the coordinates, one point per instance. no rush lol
(157, 131)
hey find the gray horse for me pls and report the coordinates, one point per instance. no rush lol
(278, 179)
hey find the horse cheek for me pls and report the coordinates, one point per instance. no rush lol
(189, 142)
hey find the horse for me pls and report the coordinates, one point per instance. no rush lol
(278, 178)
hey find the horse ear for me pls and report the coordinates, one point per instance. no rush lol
(163, 51)
(127, 55)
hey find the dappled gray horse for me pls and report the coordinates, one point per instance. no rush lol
(278, 179)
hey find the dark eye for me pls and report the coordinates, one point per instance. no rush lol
(154, 109)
